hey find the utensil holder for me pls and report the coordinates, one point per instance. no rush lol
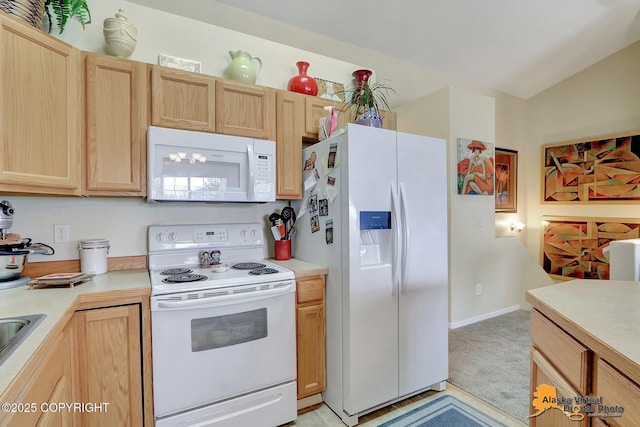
(283, 250)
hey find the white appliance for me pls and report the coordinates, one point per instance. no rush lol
(223, 336)
(624, 259)
(188, 166)
(378, 220)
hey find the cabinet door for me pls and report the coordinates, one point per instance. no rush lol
(310, 326)
(50, 383)
(182, 99)
(40, 101)
(314, 111)
(543, 372)
(109, 364)
(245, 110)
(290, 113)
(388, 119)
(116, 122)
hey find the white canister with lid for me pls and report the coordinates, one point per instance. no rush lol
(93, 256)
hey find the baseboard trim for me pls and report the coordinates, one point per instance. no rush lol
(472, 320)
(308, 401)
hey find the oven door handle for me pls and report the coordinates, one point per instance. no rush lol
(221, 300)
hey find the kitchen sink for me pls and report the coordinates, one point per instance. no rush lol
(13, 330)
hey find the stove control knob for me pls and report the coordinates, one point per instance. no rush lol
(160, 237)
(172, 236)
(243, 234)
(254, 233)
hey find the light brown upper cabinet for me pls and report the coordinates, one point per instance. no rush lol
(40, 111)
(290, 108)
(315, 110)
(182, 99)
(115, 127)
(245, 110)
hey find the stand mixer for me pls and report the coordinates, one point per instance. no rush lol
(14, 250)
(6, 218)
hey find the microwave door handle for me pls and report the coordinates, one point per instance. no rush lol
(252, 177)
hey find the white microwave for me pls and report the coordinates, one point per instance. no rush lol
(189, 166)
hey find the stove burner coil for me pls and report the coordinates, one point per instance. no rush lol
(248, 265)
(260, 271)
(184, 278)
(175, 271)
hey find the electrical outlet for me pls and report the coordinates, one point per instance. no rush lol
(60, 233)
(478, 288)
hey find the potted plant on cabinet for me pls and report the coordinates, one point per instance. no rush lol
(366, 99)
(65, 10)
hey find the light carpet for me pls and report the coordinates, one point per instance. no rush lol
(490, 360)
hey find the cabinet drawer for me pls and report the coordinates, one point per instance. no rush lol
(617, 390)
(310, 290)
(570, 357)
(542, 372)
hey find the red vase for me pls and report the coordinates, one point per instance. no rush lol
(303, 83)
(361, 76)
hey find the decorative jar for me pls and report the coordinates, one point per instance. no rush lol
(119, 35)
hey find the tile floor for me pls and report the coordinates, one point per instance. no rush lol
(322, 416)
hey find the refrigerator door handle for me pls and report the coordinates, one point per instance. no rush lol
(405, 239)
(396, 241)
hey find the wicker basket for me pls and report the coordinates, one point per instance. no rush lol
(30, 11)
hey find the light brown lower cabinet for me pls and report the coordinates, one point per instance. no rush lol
(310, 328)
(543, 372)
(95, 366)
(574, 369)
(48, 385)
(108, 348)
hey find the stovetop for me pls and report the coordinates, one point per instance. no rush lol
(176, 262)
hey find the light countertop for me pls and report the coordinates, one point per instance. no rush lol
(58, 304)
(602, 314)
(301, 268)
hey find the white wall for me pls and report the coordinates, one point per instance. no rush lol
(162, 32)
(602, 100)
(476, 254)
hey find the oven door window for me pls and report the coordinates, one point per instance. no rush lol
(222, 331)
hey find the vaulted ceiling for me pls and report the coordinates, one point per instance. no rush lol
(515, 46)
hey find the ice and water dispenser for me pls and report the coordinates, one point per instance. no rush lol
(375, 238)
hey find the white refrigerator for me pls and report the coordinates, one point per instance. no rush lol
(375, 213)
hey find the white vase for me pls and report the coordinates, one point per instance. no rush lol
(119, 35)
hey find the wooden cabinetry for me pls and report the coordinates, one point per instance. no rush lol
(182, 99)
(617, 390)
(561, 361)
(115, 94)
(108, 343)
(245, 110)
(290, 109)
(40, 111)
(310, 327)
(48, 383)
(543, 372)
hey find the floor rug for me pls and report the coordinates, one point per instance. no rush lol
(444, 411)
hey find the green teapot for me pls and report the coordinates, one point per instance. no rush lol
(243, 67)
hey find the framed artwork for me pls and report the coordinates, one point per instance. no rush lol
(506, 180)
(606, 169)
(572, 247)
(476, 167)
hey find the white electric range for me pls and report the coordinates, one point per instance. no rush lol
(223, 328)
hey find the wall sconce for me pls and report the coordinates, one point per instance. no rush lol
(517, 226)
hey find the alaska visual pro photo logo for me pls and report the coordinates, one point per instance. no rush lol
(546, 397)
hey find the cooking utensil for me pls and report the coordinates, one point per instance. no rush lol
(289, 216)
(274, 217)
